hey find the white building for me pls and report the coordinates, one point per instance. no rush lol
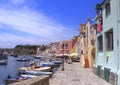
(107, 63)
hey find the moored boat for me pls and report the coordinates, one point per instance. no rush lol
(28, 76)
(15, 55)
(33, 72)
(57, 62)
(45, 69)
(46, 64)
(3, 62)
(22, 59)
(12, 79)
(23, 70)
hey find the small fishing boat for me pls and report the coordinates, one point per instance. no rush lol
(22, 59)
(23, 70)
(28, 76)
(12, 79)
(15, 55)
(46, 64)
(38, 73)
(45, 69)
(3, 62)
(57, 62)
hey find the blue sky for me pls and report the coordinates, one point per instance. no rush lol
(42, 21)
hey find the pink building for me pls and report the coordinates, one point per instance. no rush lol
(64, 48)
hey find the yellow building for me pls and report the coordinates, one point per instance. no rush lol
(83, 46)
(87, 34)
(73, 54)
(90, 38)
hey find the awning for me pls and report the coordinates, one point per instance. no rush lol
(73, 54)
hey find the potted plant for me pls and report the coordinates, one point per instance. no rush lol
(98, 8)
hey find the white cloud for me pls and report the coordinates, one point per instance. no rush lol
(10, 40)
(29, 22)
(17, 2)
(42, 28)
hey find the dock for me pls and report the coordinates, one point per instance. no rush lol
(74, 74)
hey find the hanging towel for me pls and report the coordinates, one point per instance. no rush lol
(99, 27)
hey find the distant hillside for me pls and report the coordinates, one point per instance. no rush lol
(25, 49)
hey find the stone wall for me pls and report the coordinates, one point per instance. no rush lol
(102, 73)
(95, 70)
(113, 78)
(42, 80)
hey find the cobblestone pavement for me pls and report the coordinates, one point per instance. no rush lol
(74, 74)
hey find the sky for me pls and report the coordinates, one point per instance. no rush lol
(38, 22)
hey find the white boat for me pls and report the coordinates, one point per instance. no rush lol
(28, 76)
(46, 64)
(21, 59)
(32, 72)
(45, 69)
(3, 62)
(24, 69)
(38, 56)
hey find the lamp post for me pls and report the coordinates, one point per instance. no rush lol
(67, 55)
(63, 58)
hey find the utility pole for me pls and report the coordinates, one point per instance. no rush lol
(63, 58)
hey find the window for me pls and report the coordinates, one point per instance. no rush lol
(119, 10)
(109, 40)
(66, 45)
(87, 34)
(107, 7)
(100, 43)
(84, 35)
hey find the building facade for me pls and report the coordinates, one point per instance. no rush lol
(83, 45)
(73, 50)
(78, 52)
(87, 47)
(88, 42)
(107, 62)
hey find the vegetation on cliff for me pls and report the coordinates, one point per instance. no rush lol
(25, 49)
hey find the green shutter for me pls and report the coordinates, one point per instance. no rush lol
(98, 70)
(106, 74)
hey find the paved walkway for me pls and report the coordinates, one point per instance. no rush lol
(75, 75)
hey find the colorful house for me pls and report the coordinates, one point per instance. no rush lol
(107, 61)
(64, 48)
(73, 54)
(90, 37)
(92, 44)
(87, 35)
(78, 52)
(67, 45)
(83, 46)
(88, 43)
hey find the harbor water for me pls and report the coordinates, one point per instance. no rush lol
(11, 67)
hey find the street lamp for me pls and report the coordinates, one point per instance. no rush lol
(63, 58)
(63, 49)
